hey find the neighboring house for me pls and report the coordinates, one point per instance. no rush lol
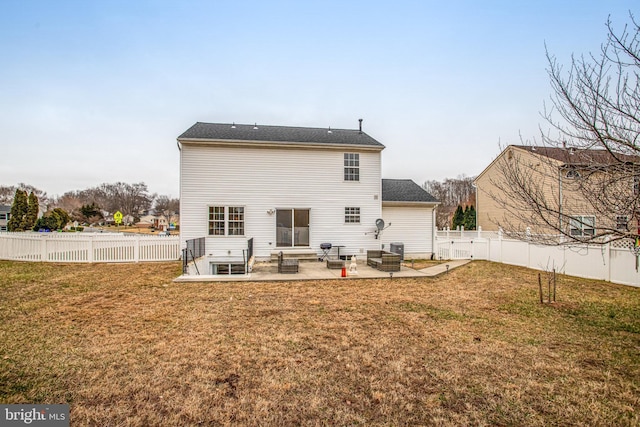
(5, 214)
(291, 189)
(555, 172)
(159, 222)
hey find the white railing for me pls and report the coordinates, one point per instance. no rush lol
(88, 247)
(614, 262)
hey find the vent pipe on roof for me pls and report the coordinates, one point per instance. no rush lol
(360, 120)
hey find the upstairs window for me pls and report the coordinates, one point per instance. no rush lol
(351, 167)
(622, 223)
(572, 174)
(582, 226)
(226, 221)
(352, 215)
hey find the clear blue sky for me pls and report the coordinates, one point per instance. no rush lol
(98, 91)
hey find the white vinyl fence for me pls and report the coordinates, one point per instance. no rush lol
(614, 262)
(88, 247)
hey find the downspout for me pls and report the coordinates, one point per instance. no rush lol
(560, 199)
(434, 231)
(473, 184)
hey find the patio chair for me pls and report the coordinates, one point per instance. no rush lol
(287, 265)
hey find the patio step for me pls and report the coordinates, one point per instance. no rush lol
(299, 254)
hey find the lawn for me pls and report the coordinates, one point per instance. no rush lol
(123, 345)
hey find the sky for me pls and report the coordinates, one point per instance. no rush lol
(97, 92)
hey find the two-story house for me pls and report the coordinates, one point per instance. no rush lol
(293, 189)
(548, 185)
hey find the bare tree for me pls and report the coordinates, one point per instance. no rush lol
(450, 193)
(7, 193)
(589, 159)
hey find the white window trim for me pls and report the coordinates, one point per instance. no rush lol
(626, 222)
(347, 157)
(351, 213)
(581, 226)
(227, 220)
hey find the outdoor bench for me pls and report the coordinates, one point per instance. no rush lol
(383, 261)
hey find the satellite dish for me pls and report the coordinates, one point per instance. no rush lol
(379, 224)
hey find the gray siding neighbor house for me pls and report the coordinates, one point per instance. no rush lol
(5, 212)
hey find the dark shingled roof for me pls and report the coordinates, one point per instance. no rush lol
(238, 132)
(404, 190)
(579, 156)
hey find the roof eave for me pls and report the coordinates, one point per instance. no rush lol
(279, 144)
(398, 203)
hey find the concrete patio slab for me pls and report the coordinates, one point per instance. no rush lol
(318, 271)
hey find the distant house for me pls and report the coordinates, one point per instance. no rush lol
(557, 173)
(292, 189)
(5, 214)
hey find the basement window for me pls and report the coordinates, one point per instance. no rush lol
(225, 268)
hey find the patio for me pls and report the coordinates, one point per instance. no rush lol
(313, 270)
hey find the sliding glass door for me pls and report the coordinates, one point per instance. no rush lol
(292, 227)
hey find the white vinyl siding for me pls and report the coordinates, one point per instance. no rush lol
(264, 180)
(411, 225)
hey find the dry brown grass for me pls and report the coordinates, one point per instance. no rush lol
(126, 346)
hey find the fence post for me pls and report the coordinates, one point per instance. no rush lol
(43, 247)
(136, 249)
(608, 258)
(91, 249)
(500, 243)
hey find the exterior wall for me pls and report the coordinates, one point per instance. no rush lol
(559, 191)
(411, 225)
(264, 179)
(4, 217)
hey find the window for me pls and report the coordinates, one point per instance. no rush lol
(582, 226)
(226, 221)
(572, 174)
(351, 167)
(352, 215)
(236, 221)
(227, 268)
(216, 221)
(3, 216)
(622, 223)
